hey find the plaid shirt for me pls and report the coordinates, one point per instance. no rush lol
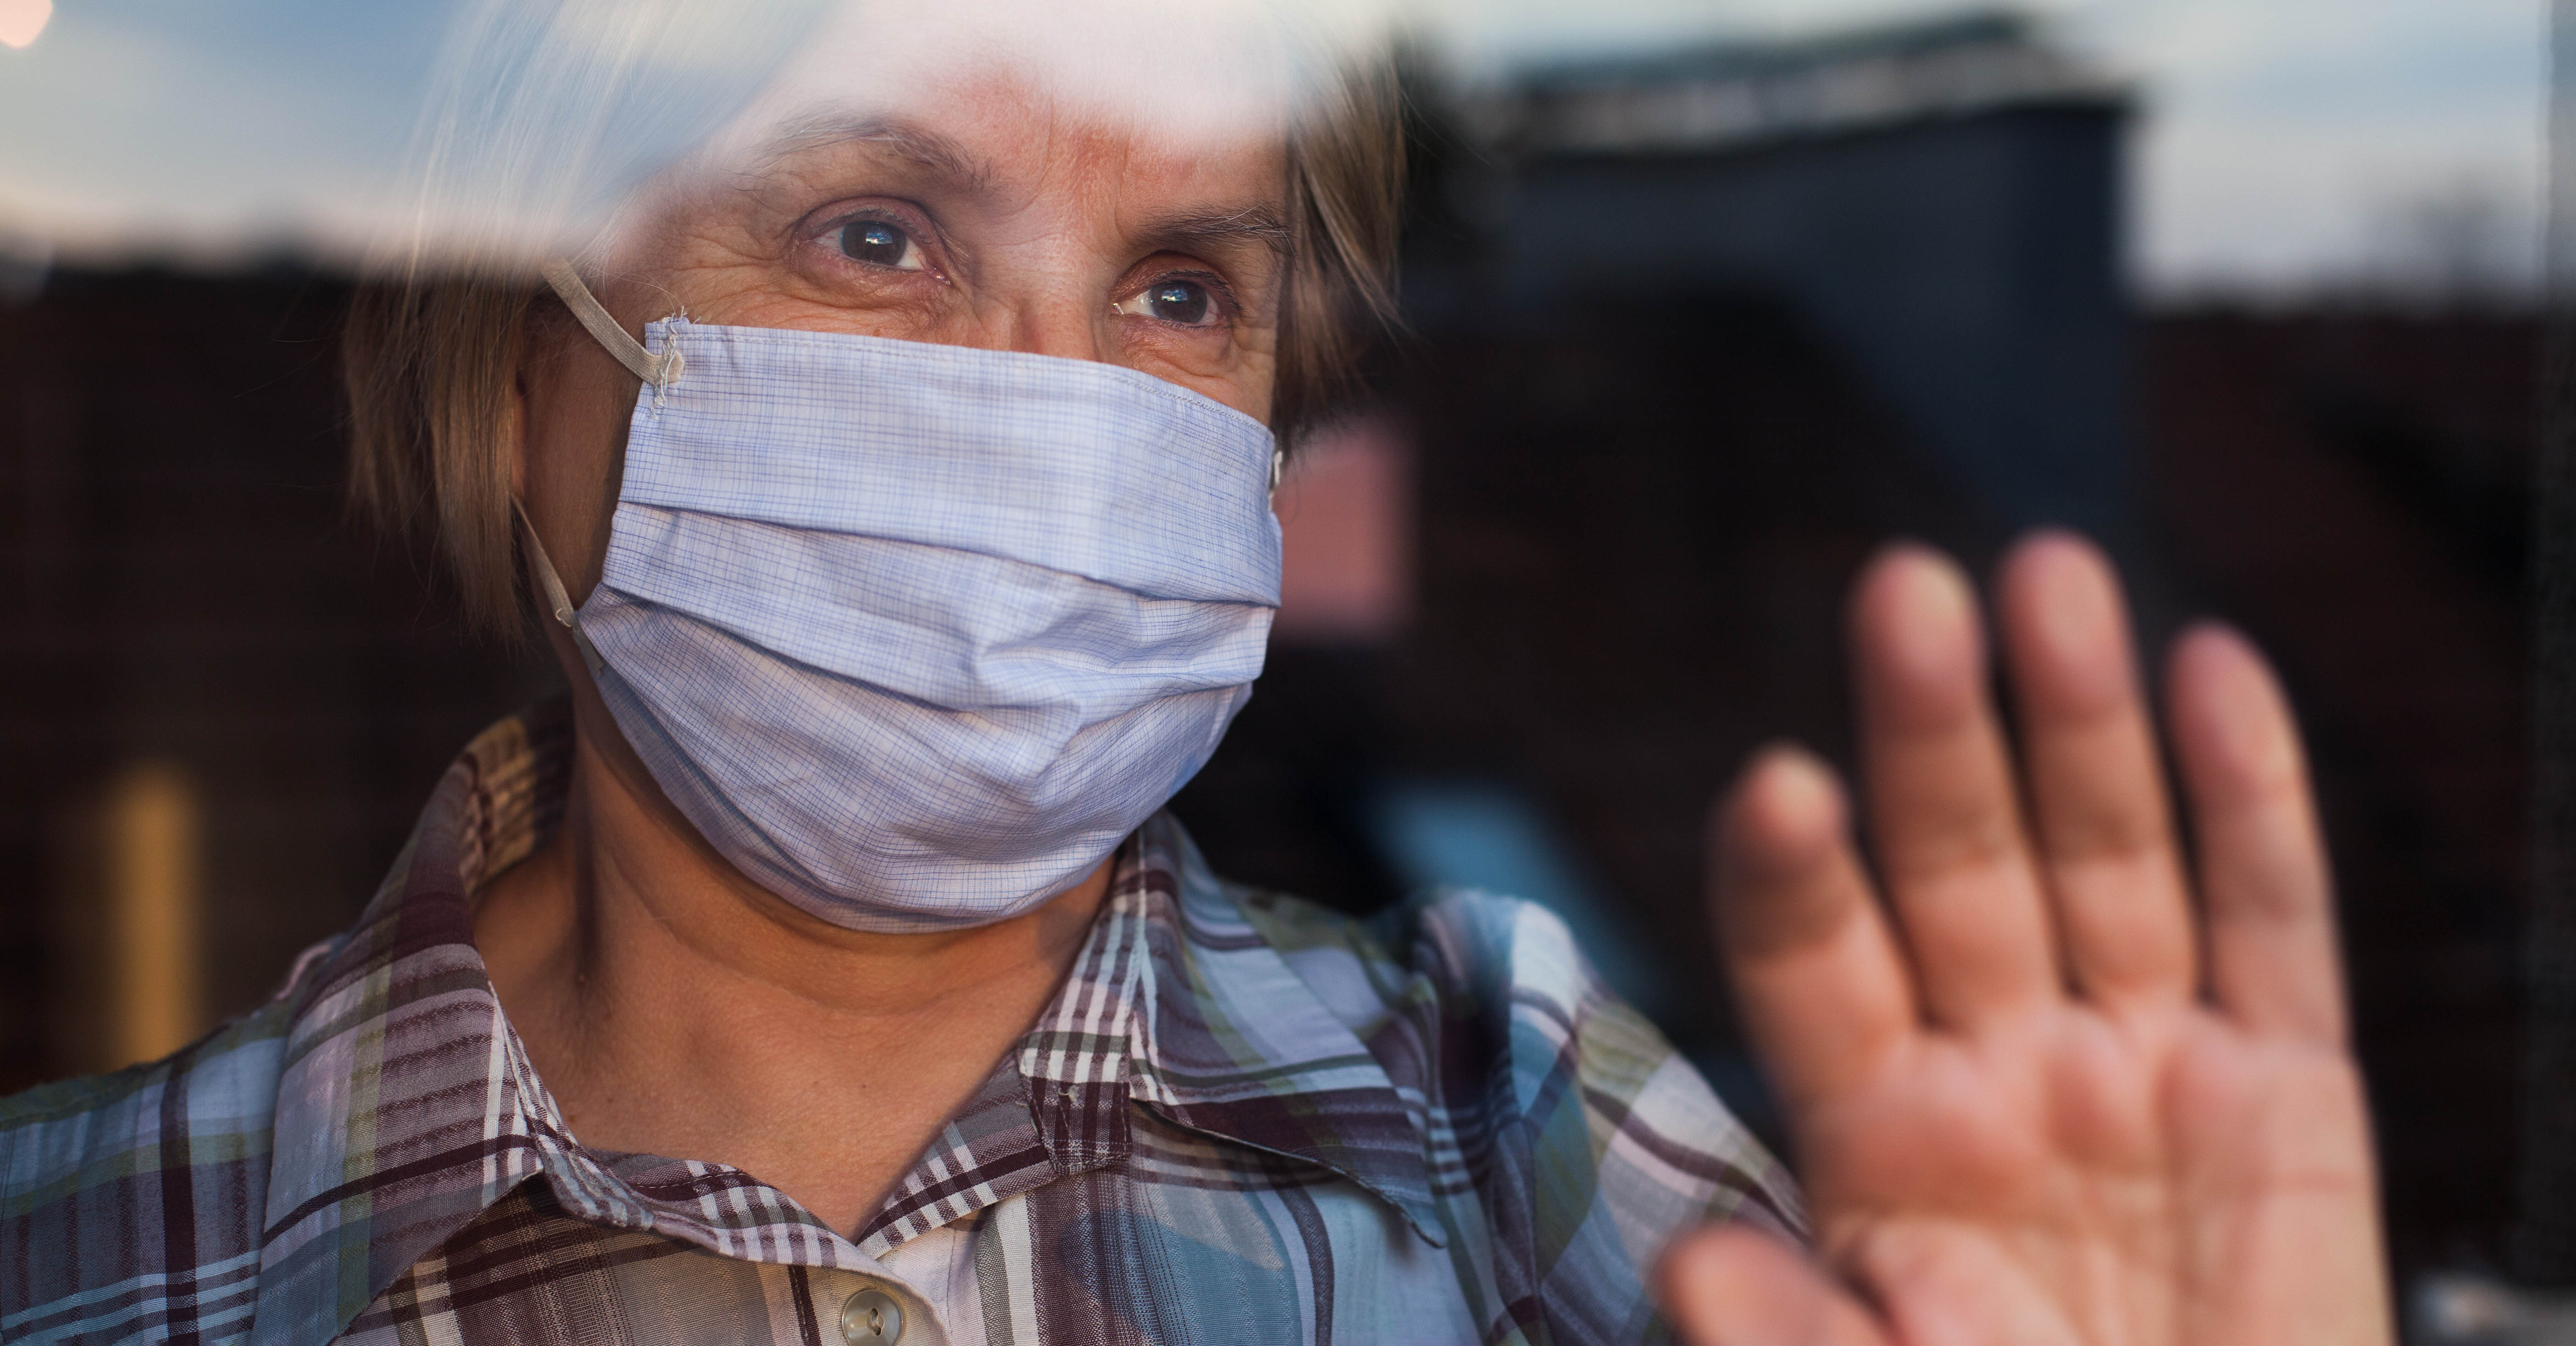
(1243, 1119)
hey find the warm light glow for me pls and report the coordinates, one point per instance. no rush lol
(21, 20)
(154, 864)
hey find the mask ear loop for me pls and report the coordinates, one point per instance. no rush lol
(556, 598)
(658, 372)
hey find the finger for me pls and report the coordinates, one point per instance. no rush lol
(2262, 866)
(1732, 1286)
(2097, 793)
(1825, 995)
(1941, 794)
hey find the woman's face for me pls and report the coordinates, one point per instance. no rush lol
(982, 214)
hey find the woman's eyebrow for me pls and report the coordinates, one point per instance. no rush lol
(1195, 230)
(924, 147)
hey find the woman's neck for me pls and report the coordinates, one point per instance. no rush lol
(673, 1007)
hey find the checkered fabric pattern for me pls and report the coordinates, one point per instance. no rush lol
(1242, 1119)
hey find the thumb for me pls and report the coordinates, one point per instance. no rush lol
(1732, 1286)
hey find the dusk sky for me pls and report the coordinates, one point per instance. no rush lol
(2285, 143)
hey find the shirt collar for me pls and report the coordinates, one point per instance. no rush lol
(407, 1106)
(1182, 1003)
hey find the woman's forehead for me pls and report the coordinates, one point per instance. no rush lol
(987, 133)
(996, 141)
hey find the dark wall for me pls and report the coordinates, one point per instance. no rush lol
(2353, 490)
(177, 584)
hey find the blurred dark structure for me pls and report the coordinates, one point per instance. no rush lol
(1665, 394)
(2544, 1250)
(1940, 203)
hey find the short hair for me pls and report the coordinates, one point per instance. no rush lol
(429, 359)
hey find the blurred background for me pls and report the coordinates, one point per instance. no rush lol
(1706, 301)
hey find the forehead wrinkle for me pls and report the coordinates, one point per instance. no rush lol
(924, 147)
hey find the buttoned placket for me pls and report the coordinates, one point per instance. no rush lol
(859, 1300)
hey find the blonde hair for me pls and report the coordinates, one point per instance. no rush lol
(429, 359)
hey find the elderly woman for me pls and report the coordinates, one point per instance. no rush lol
(821, 968)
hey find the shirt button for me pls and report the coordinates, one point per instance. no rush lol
(871, 1318)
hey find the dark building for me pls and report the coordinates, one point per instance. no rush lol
(1939, 203)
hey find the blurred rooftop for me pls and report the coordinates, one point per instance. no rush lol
(1744, 92)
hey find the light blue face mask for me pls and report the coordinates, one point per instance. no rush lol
(916, 634)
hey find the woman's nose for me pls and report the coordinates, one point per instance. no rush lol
(1069, 336)
(1061, 323)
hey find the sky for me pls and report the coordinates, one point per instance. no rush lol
(2284, 144)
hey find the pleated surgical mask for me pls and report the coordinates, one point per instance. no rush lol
(916, 634)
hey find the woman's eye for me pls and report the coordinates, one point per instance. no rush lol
(880, 244)
(1188, 303)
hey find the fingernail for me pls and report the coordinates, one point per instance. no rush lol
(1925, 613)
(1799, 781)
(2076, 606)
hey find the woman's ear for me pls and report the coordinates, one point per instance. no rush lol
(564, 419)
(540, 354)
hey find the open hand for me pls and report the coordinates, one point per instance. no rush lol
(2038, 1094)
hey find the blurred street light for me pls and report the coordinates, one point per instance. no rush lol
(22, 20)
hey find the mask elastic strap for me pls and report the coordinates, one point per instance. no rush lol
(556, 598)
(659, 372)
